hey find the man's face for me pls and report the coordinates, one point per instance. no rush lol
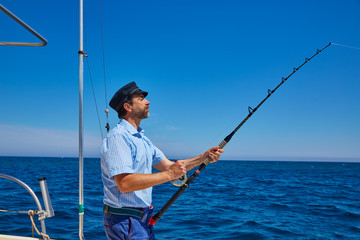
(140, 106)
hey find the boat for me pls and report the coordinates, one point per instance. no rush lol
(44, 210)
(48, 211)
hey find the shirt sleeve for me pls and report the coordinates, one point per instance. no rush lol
(119, 158)
(158, 156)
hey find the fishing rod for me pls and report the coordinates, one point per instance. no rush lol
(155, 218)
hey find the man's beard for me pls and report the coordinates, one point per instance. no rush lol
(141, 114)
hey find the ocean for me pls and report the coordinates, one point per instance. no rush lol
(229, 200)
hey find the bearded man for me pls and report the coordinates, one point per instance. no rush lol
(127, 159)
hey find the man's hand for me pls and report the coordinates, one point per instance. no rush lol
(177, 169)
(214, 153)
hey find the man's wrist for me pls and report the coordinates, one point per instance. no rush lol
(168, 175)
(201, 159)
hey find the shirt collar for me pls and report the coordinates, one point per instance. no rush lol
(130, 128)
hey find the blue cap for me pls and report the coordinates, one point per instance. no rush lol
(124, 94)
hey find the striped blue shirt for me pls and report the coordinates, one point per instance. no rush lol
(126, 150)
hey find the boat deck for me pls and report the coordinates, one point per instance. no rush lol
(10, 237)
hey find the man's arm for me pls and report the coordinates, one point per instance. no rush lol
(214, 153)
(129, 182)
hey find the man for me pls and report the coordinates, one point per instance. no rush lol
(127, 158)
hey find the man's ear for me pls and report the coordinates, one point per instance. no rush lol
(127, 106)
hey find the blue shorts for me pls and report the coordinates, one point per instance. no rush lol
(127, 228)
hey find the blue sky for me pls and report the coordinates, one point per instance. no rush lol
(203, 63)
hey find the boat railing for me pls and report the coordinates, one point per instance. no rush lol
(46, 198)
(43, 185)
(27, 27)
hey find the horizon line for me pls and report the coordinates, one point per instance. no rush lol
(281, 159)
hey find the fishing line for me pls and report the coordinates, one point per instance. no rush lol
(153, 220)
(346, 46)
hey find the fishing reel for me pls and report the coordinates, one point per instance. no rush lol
(180, 181)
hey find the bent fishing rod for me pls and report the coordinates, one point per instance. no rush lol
(155, 218)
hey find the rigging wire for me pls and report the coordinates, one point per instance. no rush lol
(104, 71)
(89, 69)
(103, 56)
(96, 106)
(103, 52)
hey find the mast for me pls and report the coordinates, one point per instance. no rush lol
(81, 133)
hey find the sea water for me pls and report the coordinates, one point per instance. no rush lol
(229, 200)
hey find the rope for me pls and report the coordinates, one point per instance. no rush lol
(13, 211)
(32, 214)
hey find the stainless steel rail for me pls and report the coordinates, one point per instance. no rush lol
(24, 185)
(27, 27)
